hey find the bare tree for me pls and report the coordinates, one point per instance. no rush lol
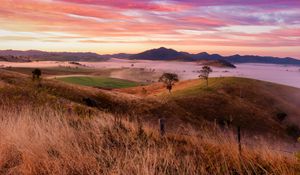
(169, 79)
(204, 73)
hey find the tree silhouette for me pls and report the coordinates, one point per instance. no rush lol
(281, 116)
(169, 79)
(36, 73)
(204, 73)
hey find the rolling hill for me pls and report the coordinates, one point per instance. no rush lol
(50, 127)
(252, 104)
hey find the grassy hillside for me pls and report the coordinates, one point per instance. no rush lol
(251, 104)
(132, 74)
(50, 127)
(19, 89)
(103, 82)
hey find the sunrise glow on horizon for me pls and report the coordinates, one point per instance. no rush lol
(257, 27)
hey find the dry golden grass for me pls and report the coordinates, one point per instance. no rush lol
(43, 141)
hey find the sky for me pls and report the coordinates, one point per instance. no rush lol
(256, 27)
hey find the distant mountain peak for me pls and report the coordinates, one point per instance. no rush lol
(161, 53)
(163, 48)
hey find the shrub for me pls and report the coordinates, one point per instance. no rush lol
(293, 130)
(36, 73)
(90, 102)
(281, 116)
(225, 121)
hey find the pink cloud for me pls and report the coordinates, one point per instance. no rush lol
(204, 21)
(240, 2)
(288, 32)
(131, 4)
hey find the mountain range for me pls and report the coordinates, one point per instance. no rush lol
(171, 54)
(161, 53)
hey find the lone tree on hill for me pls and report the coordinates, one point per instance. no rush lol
(169, 79)
(36, 73)
(204, 73)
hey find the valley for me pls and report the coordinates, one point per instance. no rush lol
(147, 71)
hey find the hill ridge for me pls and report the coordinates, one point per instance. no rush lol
(161, 53)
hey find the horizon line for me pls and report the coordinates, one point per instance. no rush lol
(228, 55)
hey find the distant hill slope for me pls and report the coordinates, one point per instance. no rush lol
(217, 63)
(261, 59)
(10, 58)
(54, 56)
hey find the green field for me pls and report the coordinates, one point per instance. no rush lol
(103, 82)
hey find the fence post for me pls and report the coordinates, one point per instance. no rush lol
(239, 138)
(162, 126)
(90, 113)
